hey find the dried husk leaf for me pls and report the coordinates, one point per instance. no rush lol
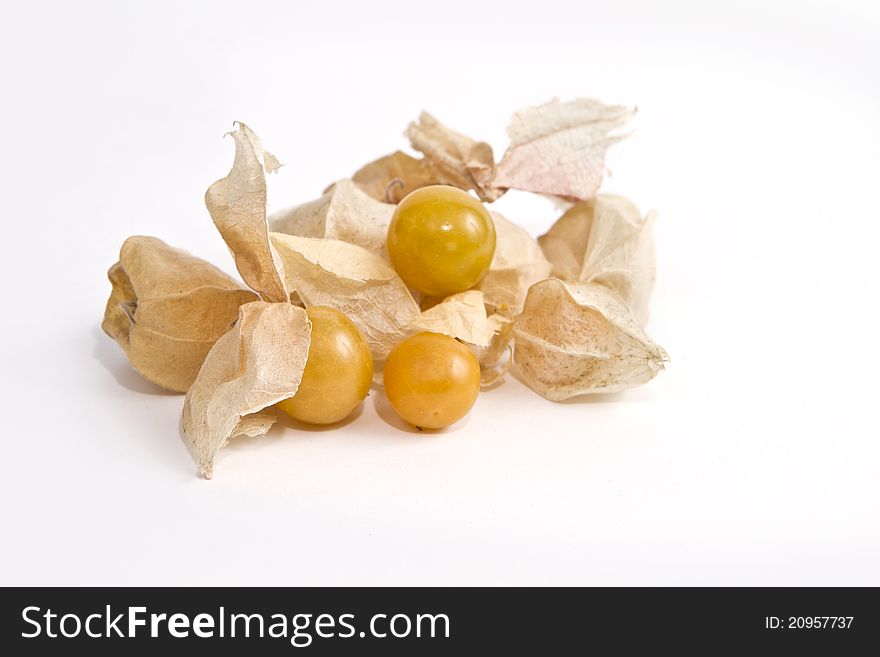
(493, 365)
(344, 213)
(559, 148)
(255, 425)
(462, 316)
(518, 264)
(393, 176)
(255, 365)
(492, 354)
(167, 308)
(576, 339)
(606, 240)
(237, 204)
(361, 284)
(468, 164)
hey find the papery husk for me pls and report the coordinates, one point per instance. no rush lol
(493, 364)
(466, 163)
(463, 316)
(237, 204)
(357, 282)
(255, 365)
(393, 176)
(167, 308)
(255, 425)
(345, 213)
(496, 358)
(606, 240)
(559, 148)
(518, 264)
(581, 338)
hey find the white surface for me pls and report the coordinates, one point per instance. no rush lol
(753, 459)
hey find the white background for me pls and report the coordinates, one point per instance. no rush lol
(753, 459)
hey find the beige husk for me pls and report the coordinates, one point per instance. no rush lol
(167, 308)
(344, 213)
(393, 176)
(237, 204)
(465, 163)
(518, 264)
(359, 283)
(257, 364)
(580, 338)
(493, 364)
(606, 240)
(559, 148)
(261, 360)
(255, 425)
(461, 316)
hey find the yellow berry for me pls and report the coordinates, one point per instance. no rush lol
(431, 380)
(338, 372)
(441, 240)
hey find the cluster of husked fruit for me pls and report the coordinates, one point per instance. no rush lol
(441, 241)
(398, 277)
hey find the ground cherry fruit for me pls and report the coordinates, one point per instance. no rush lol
(338, 372)
(431, 380)
(441, 240)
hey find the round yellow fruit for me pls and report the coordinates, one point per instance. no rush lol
(441, 240)
(338, 372)
(432, 380)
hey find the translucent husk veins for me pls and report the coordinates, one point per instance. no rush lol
(605, 240)
(345, 213)
(581, 338)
